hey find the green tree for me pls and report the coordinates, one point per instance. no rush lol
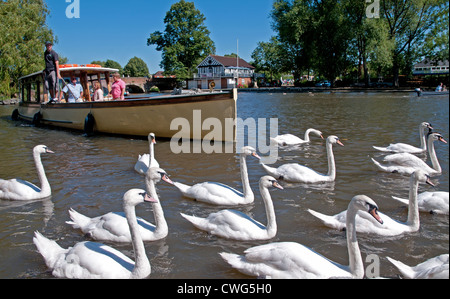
(136, 67)
(114, 65)
(23, 32)
(267, 58)
(185, 41)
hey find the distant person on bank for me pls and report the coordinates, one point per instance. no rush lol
(118, 88)
(74, 90)
(51, 71)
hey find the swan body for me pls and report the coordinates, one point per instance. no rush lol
(221, 194)
(145, 160)
(430, 202)
(434, 268)
(407, 148)
(296, 173)
(94, 260)
(390, 226)
(282, 260)
(17, 189)
(289, 139)
(113, 226)
(232, 224)
(406, 163)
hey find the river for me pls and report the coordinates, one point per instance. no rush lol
(91, 174)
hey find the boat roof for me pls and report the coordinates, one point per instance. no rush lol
(88, 69)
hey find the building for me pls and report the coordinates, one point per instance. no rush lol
(428, 67)
(223, 71)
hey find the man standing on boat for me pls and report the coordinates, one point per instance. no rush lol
(51, 71)
(118, 88)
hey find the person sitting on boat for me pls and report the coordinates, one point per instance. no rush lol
(118, 88)
(439, 88)
(98, 92)
(51, 71)
(74, 90)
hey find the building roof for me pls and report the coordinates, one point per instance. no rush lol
(428, 62)
(230, 62)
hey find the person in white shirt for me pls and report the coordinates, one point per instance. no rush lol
(74, 91)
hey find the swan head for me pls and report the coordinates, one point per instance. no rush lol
(436, 136)
(134, 197)
(334, 140)
(157, 174)
(316, 132)
(152, 138)
(366, 204)
(425, 125)
(250, 151)
(422, 177)
(268, 181)
(42, 149)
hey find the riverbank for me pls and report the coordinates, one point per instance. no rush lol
(291, 89)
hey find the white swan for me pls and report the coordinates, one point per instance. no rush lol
(95, 260)
(390, 226)
(434, 268)
(293, 260)
(113, 226)
(145, 160)
(221, 194)
(406, 163)
(297, 173)
(232, 224)
(289, 139)
(435, 202)
(17, 189)
(406, 148)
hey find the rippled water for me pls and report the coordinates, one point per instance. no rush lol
(91, 175)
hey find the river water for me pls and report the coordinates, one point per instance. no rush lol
(91, 174)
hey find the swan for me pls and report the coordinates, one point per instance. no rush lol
(145, 160)
(17, 189)
(113, 226)
(289, 139)
(283, 260)
(221, 194)
(390, 226)
(430, 202)
(406, 148)
(297, 173)
(95, 260)
(232, 224)
(434, 268)
(406, 163)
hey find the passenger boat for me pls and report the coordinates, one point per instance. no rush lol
(165, 115)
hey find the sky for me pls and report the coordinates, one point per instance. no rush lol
(118, 30)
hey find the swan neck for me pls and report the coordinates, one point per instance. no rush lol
(142, 265)
(160, 221)
(354, 254)
(307, 135)
(151, 154)
(270, 211)
(247, 190)
(413, 206)
(423, 141)
(45, 186)
(331, 163)
(433, 157)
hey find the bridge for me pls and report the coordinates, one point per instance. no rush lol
(143, 84)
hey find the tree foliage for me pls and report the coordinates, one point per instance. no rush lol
(185, 40)
(23, 32)
(136, 67)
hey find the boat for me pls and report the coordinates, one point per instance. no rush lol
(166, 115)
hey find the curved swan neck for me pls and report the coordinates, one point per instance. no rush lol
(142, 265)
(433, 157)
(413, 206)
(354, 254)
(270, 211)
(331, 164)
(423, 141)
(160, 221)
(307, 135)
(45, 186)
(247, 190)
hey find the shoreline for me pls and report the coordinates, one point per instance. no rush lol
(293, 89)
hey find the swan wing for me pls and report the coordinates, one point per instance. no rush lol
(16, 189)
(400, 148)
(215, 193)
(437, 268)
(294, 172)
(405, 159)
(288, 139)
(434, 201)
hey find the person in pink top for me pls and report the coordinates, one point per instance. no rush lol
(118, 88)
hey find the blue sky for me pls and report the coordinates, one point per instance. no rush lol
(118, 30)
